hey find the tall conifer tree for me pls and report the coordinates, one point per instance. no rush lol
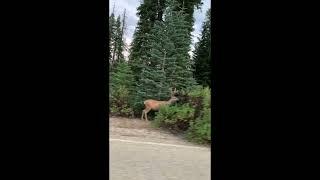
(167, 62)
(202, 54)
(149, 12)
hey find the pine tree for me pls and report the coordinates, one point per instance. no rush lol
(118, 51)
(152, 83)
(116, 43)
(202, 54)
(188, 7)
(167, 63)
(149, 12)
(108, 47)
(122, 76)
(112, 23)
(121, 46)
(121, 88)
(116, 40)
(180, 69)
(152, 80)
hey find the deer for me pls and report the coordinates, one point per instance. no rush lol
(155, 105)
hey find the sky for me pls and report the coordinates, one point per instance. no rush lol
(132, 18)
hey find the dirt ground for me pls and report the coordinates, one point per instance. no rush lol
(138, 130)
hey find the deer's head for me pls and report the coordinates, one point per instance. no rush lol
(173, 98)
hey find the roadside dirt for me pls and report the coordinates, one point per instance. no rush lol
(138, 130)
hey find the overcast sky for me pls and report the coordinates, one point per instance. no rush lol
(132, 19)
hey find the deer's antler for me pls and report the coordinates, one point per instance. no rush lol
(173, 92)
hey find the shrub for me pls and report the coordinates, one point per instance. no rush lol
(192, 115)
(121, 90)
(200, 129)
(176, 118)
(120, 102)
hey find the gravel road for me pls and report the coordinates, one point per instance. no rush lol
(139, 152)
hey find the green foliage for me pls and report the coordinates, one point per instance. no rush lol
(202, 54)
(159, 59)
(166, 64)
(116, 42)
(188, 7)
(121, 88)
(119, 104)
(112, 30)
(149, 12)
(203, 93)
(122, 75)
(151, 85)
(175, 118)
(193, 116)
(119, 42)
(179, 69)
(200, 129)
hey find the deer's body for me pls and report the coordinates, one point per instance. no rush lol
(155, 105)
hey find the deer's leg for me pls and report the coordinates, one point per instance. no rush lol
(142, 115)
(146, 113)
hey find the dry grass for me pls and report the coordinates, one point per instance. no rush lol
(139, 130)
(120, 122)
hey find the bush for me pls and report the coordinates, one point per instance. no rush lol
(200, 129)
(138, 105)
(121, 90)
(198, 97)
(120, 102)
(176, 118)
(191, 115)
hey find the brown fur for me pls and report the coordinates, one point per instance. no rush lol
(155, 105)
